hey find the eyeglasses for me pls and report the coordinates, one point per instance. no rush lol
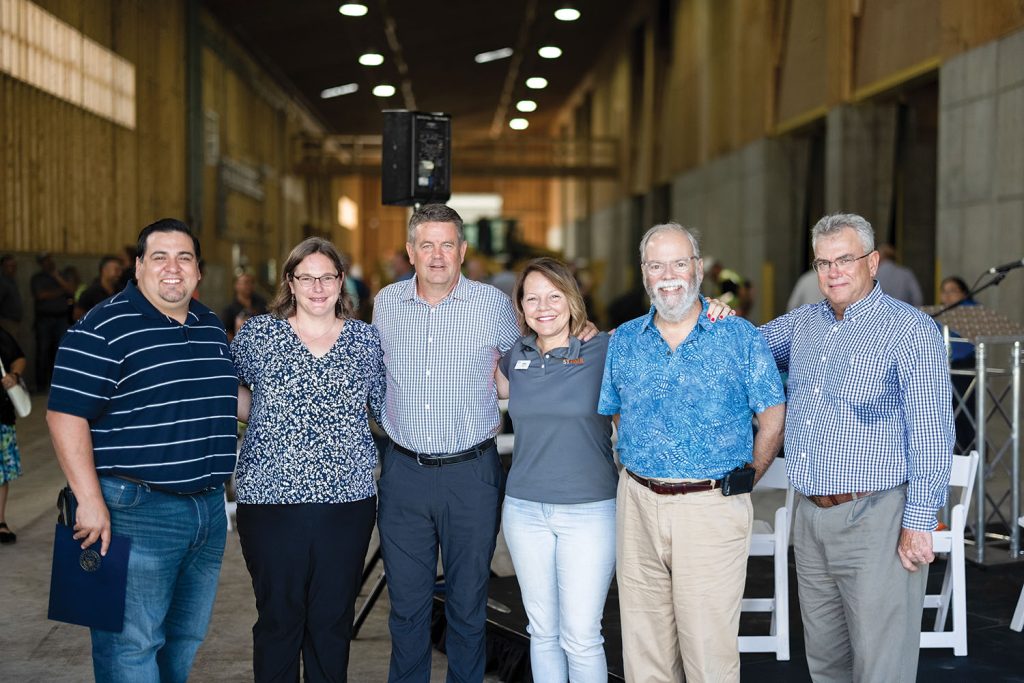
(656, 268)
(842, 263)
(306, 281)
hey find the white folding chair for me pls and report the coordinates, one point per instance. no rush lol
(951, 542)
(1017, 623)
(772, 540)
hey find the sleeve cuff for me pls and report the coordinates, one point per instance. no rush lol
(919, 518)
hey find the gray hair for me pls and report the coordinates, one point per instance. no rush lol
(833, 223)
(691, 235)
(435, 213)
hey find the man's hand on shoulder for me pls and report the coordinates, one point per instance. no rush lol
(915, 547)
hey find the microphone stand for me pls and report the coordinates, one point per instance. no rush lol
(996, 279)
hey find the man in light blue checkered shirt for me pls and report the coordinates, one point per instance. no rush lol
(869, 439)
(441, 481)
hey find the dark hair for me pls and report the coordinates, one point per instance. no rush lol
(283, 305)
(104, 260)
(435, 213)
(165, 225)
(960, 284)
(561, 277)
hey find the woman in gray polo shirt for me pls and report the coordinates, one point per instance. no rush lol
(559, 511)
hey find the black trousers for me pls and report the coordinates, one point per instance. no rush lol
(306, 563)
(49, 330)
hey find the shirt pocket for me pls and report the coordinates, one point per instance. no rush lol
(866, 381)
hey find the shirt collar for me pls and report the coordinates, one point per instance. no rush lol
(571, 351)
(146, 307)
(857, 308)
(702, 319)
(463, 290)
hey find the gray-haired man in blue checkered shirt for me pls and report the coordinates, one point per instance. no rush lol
(869, 439)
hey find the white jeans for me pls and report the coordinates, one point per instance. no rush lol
(564, 557)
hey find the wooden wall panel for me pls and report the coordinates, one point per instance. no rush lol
(881, 45)
(969, 23)
(803, 81)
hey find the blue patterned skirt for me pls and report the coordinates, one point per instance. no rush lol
(10, 459)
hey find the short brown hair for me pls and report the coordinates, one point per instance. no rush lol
(283, 305)
(559, 275)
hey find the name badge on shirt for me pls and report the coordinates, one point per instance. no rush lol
(522, 365)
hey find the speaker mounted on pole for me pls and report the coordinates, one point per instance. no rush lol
(416, 159)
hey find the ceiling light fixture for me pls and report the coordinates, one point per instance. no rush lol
(567, 13)
(384, 90)
(550, 52)
(536, 83)
(353, 9)
(526, 106)
(339, 90)
(493, 55)
(518, 124)
(371, 59)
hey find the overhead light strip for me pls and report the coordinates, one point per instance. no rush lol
(493, 55)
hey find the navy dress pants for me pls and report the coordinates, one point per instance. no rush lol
(454, 508)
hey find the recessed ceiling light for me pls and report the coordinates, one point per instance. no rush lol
(353, 9)
(371, 59)
(550, 52)
(384, 90)
(493, 55)
(567, 14)
(339, 90)
(536, 83)
(518, 124)
(526, 106)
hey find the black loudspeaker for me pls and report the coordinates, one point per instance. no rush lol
(416, 160)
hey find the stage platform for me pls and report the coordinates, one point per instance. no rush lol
(995, 653)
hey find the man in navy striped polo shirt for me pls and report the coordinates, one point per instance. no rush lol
(142, 416)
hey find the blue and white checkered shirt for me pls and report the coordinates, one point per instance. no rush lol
(869, 402)
(440, 363)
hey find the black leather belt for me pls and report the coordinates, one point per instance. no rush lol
(162, 489)
(438, 459)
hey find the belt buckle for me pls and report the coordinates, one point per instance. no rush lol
(421, 463)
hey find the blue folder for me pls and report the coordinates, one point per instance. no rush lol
(85, 588)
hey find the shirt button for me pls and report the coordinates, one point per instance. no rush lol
(835, 327)
(816, 389)
(823, 359)
(807, 422)
(547, 355)
(428, 375)
(428, 407)
(430, 340)
(803, 455)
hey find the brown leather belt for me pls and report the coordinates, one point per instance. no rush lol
(666, 488)
(837, 498)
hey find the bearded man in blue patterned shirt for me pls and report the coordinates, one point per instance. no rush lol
(685, 391)
(869, 438)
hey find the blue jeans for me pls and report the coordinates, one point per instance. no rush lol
(564, 557)
(173, 569)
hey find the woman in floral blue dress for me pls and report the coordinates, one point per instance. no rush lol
(10, 460)
(306, 492)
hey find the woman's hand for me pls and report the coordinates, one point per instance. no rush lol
(10, 379)
(718, 310)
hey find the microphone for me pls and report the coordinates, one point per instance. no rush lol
(1006, 267)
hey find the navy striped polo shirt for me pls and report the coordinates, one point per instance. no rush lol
(160, 397)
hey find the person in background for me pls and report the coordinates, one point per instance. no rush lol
(401, 267)
(12, 308)
(103, 287)
(127, 256)
(895, 280)
(305, 487)
(10, 459)
(559, 511)
(953, 290)
(246, 302)
(805, 291)
(51, 292)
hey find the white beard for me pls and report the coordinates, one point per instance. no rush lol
(673, 311)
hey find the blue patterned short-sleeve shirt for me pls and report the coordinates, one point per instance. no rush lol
(686, 414)
(308, 439)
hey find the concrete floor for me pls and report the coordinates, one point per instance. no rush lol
(34, 649)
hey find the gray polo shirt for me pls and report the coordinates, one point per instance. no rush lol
(563, 449)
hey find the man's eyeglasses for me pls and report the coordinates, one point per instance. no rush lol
(680, 266)
(842, 263)
(306, 281)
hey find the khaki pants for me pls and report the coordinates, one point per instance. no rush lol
(682, 564)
